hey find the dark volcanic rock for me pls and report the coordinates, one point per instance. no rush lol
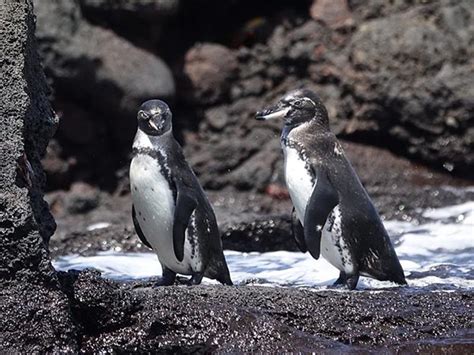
(141, 22)
(402, 87)
(143, 9)
(97, 305)
(412, 83)
(392, 74)
(34, 311)
(136, 317)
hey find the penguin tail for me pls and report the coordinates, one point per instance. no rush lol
(395, 275)
(398, 278)
(220, 272)
(225, 279)
(388, 272)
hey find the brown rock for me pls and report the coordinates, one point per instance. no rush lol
(209, 69)
(334, 13)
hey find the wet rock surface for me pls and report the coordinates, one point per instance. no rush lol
(137, 317)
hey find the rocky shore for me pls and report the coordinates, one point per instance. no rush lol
(202, 319)
(407, 128)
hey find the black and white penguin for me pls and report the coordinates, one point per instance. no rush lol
(171, 213)
(333, 214)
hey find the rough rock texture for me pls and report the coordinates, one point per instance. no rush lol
(334, 13)
(413, 74)
(400, 82)
(42, 311)
(95, 66)
(210, 69)
(392, 74)
(34, 311)
(138, 318)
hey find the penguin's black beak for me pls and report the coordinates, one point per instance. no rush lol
(277, 111)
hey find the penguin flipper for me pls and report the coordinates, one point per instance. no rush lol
(322, 201)
(138, 229)
(298, 231)
(185, 206)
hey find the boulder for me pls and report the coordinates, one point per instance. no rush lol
(334, 13)
(210, 69)
(412, 84)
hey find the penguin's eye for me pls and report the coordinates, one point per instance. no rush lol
(297, 104)
(143, 115)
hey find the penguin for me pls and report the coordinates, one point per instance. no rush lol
(170, 211)
(333, 215)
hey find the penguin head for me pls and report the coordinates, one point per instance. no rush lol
(154, 117)
(297, 107)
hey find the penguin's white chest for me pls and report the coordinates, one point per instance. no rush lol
(300, 186)
(154, 207)
(298, 180)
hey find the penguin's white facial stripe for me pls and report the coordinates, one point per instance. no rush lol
(278, 114)
(307, 99)
(143, 115)
(155, 111)
(301, 103)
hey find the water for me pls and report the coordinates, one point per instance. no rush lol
(438, 254)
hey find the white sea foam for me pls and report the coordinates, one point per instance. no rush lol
(99, 225)
(435, 254)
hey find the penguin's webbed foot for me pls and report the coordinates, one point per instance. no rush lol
(351, 281)
(195, 279)
(344, 280)
(341, 280)
(167, 279)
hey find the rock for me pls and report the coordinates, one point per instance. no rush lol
(412, 77)
(98, 69)
(143, 9)
(139, 318)
(416, 101)
(250, 232)
(82, 198)
(59, 171)
(98, 305)
(334, 13)
(35, 312)
(209, 68)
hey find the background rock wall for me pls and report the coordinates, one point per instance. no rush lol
(393, 74)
